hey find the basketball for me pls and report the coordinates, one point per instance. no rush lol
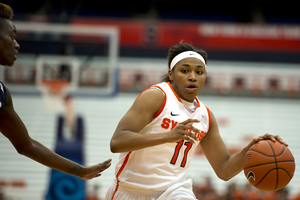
(269, 165)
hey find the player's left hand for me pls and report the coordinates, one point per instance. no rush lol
(94, 171)
(268, 136)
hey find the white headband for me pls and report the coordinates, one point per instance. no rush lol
(186, 54)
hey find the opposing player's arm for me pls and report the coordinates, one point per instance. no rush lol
(14, 129)
(12, 126)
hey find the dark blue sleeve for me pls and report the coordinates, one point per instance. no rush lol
(2, 95)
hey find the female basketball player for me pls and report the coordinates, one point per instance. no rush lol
(158, 134)
(12, 126)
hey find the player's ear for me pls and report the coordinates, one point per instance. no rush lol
(170, 73)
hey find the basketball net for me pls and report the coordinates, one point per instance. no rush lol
(54, 92)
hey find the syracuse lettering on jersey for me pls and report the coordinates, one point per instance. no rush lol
(166, 122)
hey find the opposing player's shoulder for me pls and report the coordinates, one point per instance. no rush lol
(5, 98)
(3, 95)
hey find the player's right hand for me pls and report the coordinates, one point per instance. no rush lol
(180, 132)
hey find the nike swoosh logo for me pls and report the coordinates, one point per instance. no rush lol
(174, 114)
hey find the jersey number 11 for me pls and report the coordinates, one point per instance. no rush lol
(186, 151)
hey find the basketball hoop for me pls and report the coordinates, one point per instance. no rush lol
(54, 92)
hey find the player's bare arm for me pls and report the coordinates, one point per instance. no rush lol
(214, 149)
(14, 129)
(127, 137)
(225, 165)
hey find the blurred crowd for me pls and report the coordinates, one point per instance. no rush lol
(207, 191)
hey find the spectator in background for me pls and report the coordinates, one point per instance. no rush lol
(297, 196)
(93, 195)
(206, 191)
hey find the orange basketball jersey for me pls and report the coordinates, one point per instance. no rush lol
(154, 169)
